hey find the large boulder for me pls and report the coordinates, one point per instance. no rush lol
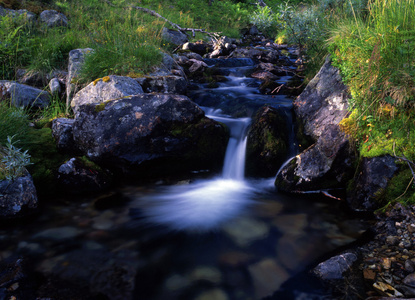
(373, 177)
(52, 18)
(267, 146)
(17, 196)
(75, 63)
(329, 162)
(104, 89)
(152, 133)
(323, 102)
(23, 95)
(326, 164)
(174, 37)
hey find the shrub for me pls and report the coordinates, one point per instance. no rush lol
(264, 19)
(14, 161)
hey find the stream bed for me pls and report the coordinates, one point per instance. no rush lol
(218, 238)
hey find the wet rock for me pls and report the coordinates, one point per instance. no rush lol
(323, 102)
(17, 197)
(267, 276)
(267, 146)
(264, 75)
(62, 132)
(163, 84)
(215, 294)
(326, 164)
(160, 133)
(197, 66)
(245, 231)
(23, 95)
(292, 224)
(52, 18)
(115, 282)
(177, 282)
(372, 180)
(75, 62)
(334, 267)
(174, 37)
(78, 175)
(206, 274)
(58, 233)
(106, 89)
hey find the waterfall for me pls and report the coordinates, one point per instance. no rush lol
(234, 163)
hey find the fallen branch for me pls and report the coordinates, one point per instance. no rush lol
(214, 35)
(324, 192)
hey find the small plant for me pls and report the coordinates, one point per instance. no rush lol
(14, 161)
(264, 19)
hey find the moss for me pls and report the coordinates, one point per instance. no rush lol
(100, 107)
(106, 79)
(398, 185)
(90, 164)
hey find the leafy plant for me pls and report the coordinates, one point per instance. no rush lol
(14, 161)
(264, 18)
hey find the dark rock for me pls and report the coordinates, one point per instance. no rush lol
(253, 30)
(23, 95)
(323, 102)
(62, 131)
(267, 146)
(116, 282)
(334, 267)
(163, 84)
(199, 47)
(372, 180)
(79, 176)
(33, 78)
(156, 132)
(264, 75)
(326, 164)
(52, 18)
(268, 55)
(174, 37)
(17, 196)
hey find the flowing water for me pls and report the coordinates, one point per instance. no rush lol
(226, 237)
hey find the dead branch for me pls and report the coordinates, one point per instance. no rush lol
(324, 192)
(214, 35)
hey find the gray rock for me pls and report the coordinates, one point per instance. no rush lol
(323, 102)
(200, 48)
(214, 294)
(76, 60)
(63, 135)
(29, 16)
(163, 84)
(32, 78)
(55, 86)
(58, 233)
(17, 196)
(245, 231)
(174, 37)
(334, 267)
(106, 89)
(372, 180)
(23, 95)
(167, 62)
(326, 164)
(147, 129)
(52, 18)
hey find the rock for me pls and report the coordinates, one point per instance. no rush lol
(292, 224)
(245, 231)
(62, 132)
(267, 276)
(77, 176)
(177, 282)
(372, 180)
(197, 66)
(23, 95)
(334, 267)
(174, 37)
(55, 86)
(152, 132)
(326, 164)
(29, 16)
(206, 274)
(253, 30)
(75, 62)
(106, 89)
(199, 47)
(167, 62)
(264, 75)
(17, 197)
(215, 294)
(58, 234)
(323, 102)
(114, 282)
(31, 78)
(163, 84)
(52, 18)
(267, 146)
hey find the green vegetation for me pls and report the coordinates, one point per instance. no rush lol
(13, 160)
